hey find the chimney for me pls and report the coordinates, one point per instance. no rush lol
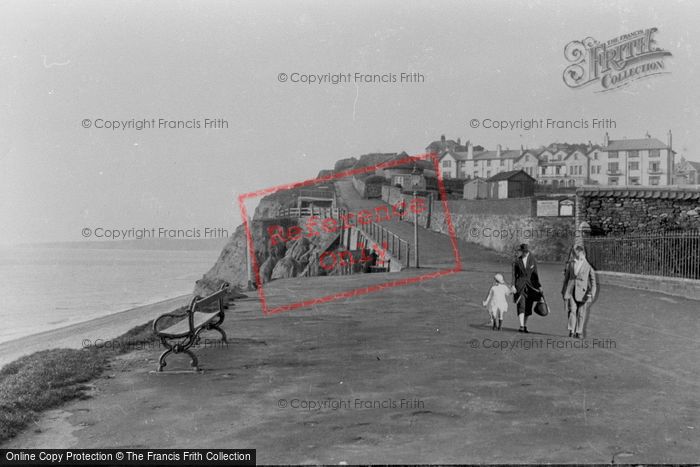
(442, 139)
(498, 150)
(590, 145)
(606, 140)
(459, 141)
(470, 150)
(522, 150)
(670, 140)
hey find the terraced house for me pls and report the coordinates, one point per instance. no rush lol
(644, 161)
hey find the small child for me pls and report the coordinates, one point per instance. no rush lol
(496, 302)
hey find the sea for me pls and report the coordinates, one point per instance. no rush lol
(44, 288)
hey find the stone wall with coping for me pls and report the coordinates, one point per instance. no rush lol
(626, 210)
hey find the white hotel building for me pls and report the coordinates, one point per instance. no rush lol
(645, 161)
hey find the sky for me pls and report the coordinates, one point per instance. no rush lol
(64, 62)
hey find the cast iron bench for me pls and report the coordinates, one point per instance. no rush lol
(179, 337)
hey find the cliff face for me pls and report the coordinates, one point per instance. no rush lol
(276, 259)
(230, 267)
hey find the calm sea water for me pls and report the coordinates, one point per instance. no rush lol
(48, 288)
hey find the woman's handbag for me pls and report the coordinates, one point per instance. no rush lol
(541, 307)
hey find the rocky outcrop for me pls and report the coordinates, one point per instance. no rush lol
(285, 268)
(277, 260)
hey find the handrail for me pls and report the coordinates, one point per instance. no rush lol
(388, 240)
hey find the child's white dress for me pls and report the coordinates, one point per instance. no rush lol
(497, 301)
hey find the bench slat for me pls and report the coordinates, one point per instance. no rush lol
(183, 326)
(211, 298)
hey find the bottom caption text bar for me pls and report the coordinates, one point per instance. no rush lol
(127, 456)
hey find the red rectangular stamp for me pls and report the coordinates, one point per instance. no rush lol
(364, 220)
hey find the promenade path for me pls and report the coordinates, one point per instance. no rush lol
(626, 394)
(435, 249)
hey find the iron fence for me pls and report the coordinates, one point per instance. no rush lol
(311, 211)
(398, 247)
(669, 254)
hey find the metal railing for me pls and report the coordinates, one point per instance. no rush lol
(395, 245)
(308, 212)
(669, 254)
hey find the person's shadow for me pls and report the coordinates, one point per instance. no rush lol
(504, 329)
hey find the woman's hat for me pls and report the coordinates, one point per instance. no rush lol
(523, 247)
(499, 278)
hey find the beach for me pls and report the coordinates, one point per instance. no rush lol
(91, 332)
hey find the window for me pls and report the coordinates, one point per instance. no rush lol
(557, 170)
(634, 153)
(612, 181)
(653, 180)
(488, 163)
(543, 170)
(613, 167)
(612, 155)
(488, 173)
(476, 174)
(654, 153)
(654, 167)
(447, 163)
(634, 180)
(595, 156)
(503, 162)
(634, 165)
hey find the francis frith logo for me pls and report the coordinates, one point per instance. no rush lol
(614, 63)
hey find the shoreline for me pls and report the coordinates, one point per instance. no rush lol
(75, 335)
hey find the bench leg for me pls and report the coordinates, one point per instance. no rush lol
(223, 334)
(161, 360)
(177, 348)
(194, 363)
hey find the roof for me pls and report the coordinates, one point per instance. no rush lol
(420, 164)
(456, 155)
(664, 192)
(507, 154)
(507, 175)
(438, 146)
(475, 180)
(631, 144)
(695, 165)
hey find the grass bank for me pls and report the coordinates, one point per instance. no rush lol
(47, 379)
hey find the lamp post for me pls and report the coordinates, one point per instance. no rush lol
(415, 181)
